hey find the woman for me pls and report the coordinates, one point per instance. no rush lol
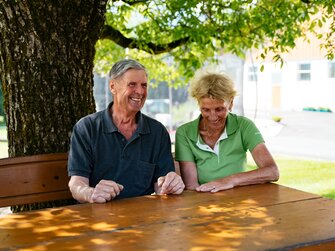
(211, 150)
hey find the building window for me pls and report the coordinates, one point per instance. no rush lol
(331, 70)
(304, 72)
(276, 78)
(252, 74)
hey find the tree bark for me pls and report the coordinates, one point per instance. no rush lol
(46, 66)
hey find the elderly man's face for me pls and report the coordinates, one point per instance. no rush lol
(130, 91)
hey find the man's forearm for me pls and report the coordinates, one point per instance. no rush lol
(81, 191)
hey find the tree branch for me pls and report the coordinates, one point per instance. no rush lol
(116, 36)
(133, 2)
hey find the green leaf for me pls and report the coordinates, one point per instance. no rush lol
(262, 68)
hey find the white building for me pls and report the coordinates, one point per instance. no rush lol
(306, 81)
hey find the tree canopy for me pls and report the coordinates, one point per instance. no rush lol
(47, 50)
(174, 38)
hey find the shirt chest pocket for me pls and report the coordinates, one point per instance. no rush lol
(144, 175)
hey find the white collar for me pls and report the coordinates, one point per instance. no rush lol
(216, 149)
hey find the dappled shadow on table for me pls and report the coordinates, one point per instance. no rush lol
(222, 221)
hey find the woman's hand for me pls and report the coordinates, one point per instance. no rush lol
(217, 185)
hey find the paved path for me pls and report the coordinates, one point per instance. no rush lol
(309, 135)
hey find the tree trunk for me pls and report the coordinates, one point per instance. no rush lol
(46, 66)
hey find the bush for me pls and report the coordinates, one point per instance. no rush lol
(276, 119)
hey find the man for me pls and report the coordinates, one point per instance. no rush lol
(120, 152)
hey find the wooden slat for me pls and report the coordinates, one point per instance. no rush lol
(33, 179)
(323, 246)
(33, 158)
(177, 168)
(260, 208)
(278, 227)
(38, 197)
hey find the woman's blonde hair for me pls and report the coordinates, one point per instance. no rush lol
(207, 84)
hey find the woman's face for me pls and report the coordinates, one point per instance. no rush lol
(214, 112)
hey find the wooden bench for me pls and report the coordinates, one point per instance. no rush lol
(36, 178)
(33, 179)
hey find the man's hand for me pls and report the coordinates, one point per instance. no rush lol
(104, 191)
(170, 184)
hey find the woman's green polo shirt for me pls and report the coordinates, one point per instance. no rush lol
(242, 135)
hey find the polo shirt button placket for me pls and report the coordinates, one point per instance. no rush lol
(124, 154)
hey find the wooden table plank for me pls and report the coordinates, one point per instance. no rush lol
(325, 246)
(131, 220)
(276, 227)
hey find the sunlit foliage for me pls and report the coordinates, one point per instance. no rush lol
(174, 38)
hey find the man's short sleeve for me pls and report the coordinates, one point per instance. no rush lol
(80, 159)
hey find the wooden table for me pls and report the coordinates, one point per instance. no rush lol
(258, 217)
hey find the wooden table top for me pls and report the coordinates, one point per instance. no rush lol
(258, 217)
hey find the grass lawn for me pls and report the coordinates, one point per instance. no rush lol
(3, 149)
(307, 175)
(3, 131)
(3, 144)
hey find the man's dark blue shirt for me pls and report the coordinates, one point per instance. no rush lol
(99, 151)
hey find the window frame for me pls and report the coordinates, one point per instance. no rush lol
(304, 72)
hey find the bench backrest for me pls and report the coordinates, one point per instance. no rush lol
(32, 179)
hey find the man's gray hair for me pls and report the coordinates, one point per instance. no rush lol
(120, 67)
